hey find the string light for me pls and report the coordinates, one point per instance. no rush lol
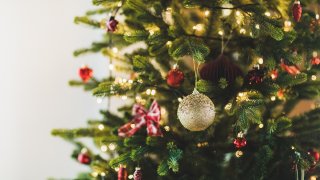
(148, 91)
(179, 99)
(104, 148)
(124, 97)
(239, 154)
(287, 26)
(132, 126)
(112, 146)
(101, 127)
(261, 126)
(273, 98)
(313, 177)
(151, 32)
(206, 13)
(242, 31)
(111, 66)
(292, 147)
(317, 16)
(167, 128)
(220, 33)
(99, 100)
(257, 26)
(238, 13)
(169, 43)
(153, 92)
(226, 12)
(198, 27)
(228, 106)
(260, 60)
(94, 174)
(242, 96)
(130, 81)
(130, 176)
(314, 54)
(313, 77)
(116, 169)
(268, 14)
(115, 50)
(103, 174)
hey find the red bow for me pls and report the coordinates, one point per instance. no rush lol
(291, 69)
(143, 117)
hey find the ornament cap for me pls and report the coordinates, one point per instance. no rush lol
(195, 91)
(296, 2)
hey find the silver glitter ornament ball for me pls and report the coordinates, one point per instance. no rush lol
(196, 112)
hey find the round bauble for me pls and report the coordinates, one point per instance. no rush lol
(84, 158)
(297, 10)
(256, 75)
(85, 73)
(222, 67)
(196, 112)
(175, 78)
(240, 142)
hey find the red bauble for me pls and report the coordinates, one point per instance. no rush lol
(291, 69)
(315, 155)
(274, 74)
(137, 175)
(315, 60)
(112, 24)
(85, 73)
(296, 11)
(175, 78)
(255, 76)
(84, 158)
(240, 142)
(122, 173)
(222, 67)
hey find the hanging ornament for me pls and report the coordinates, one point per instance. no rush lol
(240, 141)
(175, 77)
(256, 75)
(315, 155)
(112, 24)
(274, 74)
(137, 175)
(315, 58)
(196, 112)
(122, 173)
(143, 117)
(291, 69)
(222, 67)
(296, 10)
(84, 156)
(85, 73)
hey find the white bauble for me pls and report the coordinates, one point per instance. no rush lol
(196, 111)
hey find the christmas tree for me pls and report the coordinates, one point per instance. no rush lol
(213, 84)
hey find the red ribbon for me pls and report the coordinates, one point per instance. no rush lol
(142, 117)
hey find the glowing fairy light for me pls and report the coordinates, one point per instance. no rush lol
(104, 148)
(101, 127)
(261, 126)
(273, 98)
(148, 91)
(198, 27)
(112, 147)
(220, 33)
(206, 13)
(242, 31)
(153, 92)
(115, 50)
(313, 77)
(268, 14)
(260, 60)
(257, 26)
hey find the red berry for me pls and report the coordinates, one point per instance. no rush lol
(84, 158)
(274, 74)
(297, 11)
(85, 73)
(240, 142)
(175, 78)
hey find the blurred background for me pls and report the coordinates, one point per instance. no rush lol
(37, 38)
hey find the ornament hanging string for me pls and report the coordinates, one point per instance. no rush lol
(224, 45)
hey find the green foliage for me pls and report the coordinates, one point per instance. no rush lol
(289, 80)
(86, 20)
(136, 36)
(187, 46)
